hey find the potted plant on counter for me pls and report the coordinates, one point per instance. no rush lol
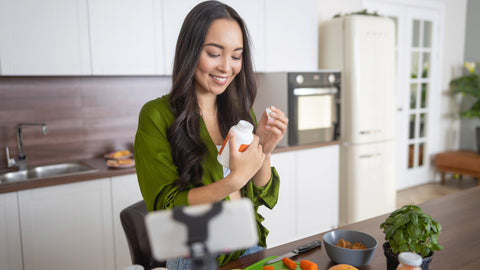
(469, 86)
(409, 229)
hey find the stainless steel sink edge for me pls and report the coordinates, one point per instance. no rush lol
(47, 171)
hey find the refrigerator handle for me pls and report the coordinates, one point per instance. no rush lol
(373, 131)
(370, 155)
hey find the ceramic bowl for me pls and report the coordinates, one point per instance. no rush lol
(353, 257)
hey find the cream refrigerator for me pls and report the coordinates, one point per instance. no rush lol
(363, 48)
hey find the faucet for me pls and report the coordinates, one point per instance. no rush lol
(21, 160)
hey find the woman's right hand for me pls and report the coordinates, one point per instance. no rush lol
(244, 165)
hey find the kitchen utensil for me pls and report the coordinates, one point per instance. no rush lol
(296, 251)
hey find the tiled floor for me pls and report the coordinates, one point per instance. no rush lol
(419, 194)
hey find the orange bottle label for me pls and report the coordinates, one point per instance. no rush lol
(243, 147)
(223, 145)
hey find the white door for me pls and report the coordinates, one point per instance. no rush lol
(418, 89)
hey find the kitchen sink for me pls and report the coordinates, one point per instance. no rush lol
(54, 170)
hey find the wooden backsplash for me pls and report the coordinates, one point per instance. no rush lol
(86, 116)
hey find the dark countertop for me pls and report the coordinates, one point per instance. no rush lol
(105, 172)
(457, 213)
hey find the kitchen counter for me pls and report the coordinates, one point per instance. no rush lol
(104, 172)
(99, 163)
(457, 213)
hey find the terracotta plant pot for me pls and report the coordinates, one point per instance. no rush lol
(392, 258)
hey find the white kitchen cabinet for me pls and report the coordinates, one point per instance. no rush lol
(126, 37)
(44, 37)
(10, 243)
(67, 226)
(317, 178)
(308, 197)
(279, 220)
(174, 12)
(125, 191)
(291, 35)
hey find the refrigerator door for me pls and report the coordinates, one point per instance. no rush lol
(367, 181)
(369, 79)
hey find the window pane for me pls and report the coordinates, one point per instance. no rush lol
(411, 149)
(426, 65)
(411, 130)
(414, 65)
(420, 154)
(413, 96)
(423, 123)
(424, 95)
(427, 34)
(416, 33)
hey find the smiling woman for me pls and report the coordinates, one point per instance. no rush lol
(213, 88)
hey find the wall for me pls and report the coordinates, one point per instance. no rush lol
(86, 116)
(452, 64)
(472, 53)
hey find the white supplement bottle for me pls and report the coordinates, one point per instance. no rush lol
(243, 138)
(409, 261)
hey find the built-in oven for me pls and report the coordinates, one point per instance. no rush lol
(310, 99)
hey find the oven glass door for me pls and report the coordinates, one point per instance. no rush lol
(315, 115)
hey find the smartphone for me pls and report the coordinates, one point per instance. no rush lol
(232, 228)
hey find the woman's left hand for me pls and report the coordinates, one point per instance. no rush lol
(271, 131)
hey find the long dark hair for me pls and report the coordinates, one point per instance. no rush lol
(233, 104)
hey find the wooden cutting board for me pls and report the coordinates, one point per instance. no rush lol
(277, 266)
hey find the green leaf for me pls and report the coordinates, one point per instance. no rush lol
(414, 231)
(399, 237)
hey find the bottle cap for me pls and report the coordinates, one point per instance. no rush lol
(245, 126)
(410, 258)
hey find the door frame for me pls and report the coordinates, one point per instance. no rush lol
(403, 10)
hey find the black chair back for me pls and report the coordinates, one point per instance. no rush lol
(133, 223)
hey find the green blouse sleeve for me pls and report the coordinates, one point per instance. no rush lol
(156, 171)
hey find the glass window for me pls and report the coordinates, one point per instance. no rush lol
(411, 130)
(416, 34)
(426, 65)
(423, 123)
(427, 34)
(413, 95)
(411, 149)
(420, 154)
(424, 95)
(414, 65)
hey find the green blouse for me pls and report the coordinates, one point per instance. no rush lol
(156, 171)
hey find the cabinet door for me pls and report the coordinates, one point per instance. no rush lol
(317, 178)
(10, 245)
(280, 220)
(44, 37)
(125, 191)
(125, 37)
(291, 35)
(67, 226)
